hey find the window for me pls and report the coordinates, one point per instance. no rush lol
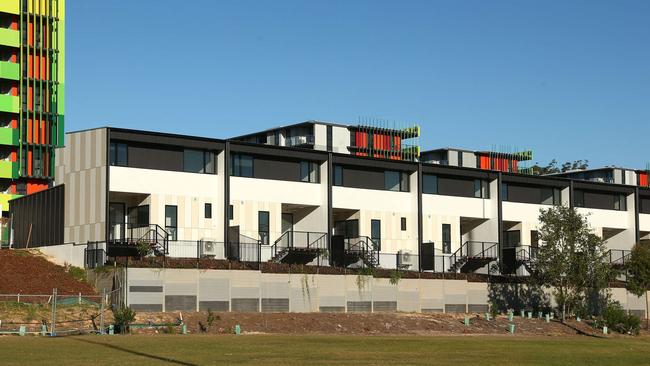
(171, 221)
(230, 212)
(198, 161)
(338, 175)
(309, 172)
(403, 223)
(550, 196)
(396, 181)
(429, 184)
(242, 165)
(620, 202)
(118, 154)
(208, 211)
(504, 191)
(460, 158)
(375, 233)
(391, 181)
(446, 238)
(579, 198)
(534, 238)
(481, 189)
(263, 226)
(21, 188)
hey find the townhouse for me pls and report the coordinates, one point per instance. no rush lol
(314, 193)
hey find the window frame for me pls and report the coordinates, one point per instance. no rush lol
(207, 210)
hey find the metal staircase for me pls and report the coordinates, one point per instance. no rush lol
(618, 258)
(126, 237)
(298, 247)
(362, 248)
(473, 255)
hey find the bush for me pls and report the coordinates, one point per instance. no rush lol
(123, 318)
(144, 249)
(77, 273)
(618, 320)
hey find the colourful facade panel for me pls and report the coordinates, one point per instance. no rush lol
(9, 37)
(9, 103)
(10, 6)
(9, 70)
(8, 136)
(8, 169)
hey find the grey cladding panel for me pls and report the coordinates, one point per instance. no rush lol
(151, 308)
(275, 305)
(455, 308)
(246, 305)
(358, 178)
(180, 303)
(155, 157)
(386, 306)
(449, 186)
(477, 308)
(332, 309)
(359, 306)
(266, 168)
(214, 305)
(145, 289)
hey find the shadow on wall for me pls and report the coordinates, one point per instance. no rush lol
(517, 296)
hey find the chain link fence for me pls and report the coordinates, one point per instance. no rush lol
(57, 314)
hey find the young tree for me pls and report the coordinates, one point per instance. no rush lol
(571, 259)
(638, 273)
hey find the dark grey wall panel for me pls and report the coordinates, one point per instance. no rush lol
(37, 218)
(151, 308)
(387, 306)
(477, 308)
(214, 305)
(246, 305)
(145, 289)
(180, 303)
(454, 308)
(432, 310)
(155, 157)
(449, 186)
(644, 205)
(599, 200)
(363, 178)
(332, 309)
(267, 168)
(275, 305)
(359, 306)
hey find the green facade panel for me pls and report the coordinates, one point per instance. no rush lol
(9, 70)
(9, 37)
(8, 169)
(8, 136)
(9, 103)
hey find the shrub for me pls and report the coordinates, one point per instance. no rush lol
(77, 273)
(395, 276)
(123, 318)
(144, 249)
(618, 320)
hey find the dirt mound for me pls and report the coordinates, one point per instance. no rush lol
(359, 324)
(28, 273)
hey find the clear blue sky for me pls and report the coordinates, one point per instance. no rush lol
(570, 79)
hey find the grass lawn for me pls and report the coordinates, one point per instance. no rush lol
(322, 350)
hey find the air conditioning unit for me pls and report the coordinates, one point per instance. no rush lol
(208, 248)
(405, 259)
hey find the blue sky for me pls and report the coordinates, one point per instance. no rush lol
(569, 79)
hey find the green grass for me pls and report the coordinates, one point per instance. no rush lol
(322, 350)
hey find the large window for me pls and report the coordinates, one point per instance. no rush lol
(446, 238)
(429, 184)
(309, 172)
(396, 181)
(242, 165)
(338, 175)
(118, 154)
(600, 200)
(263, 226)
(198, 161)
(171, 221)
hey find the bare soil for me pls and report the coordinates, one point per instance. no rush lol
(30, 273)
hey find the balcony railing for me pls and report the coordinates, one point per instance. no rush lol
(300, 140)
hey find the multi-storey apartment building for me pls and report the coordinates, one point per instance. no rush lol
(32, 75)
(254, 200)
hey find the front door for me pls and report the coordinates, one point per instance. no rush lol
(116, 212)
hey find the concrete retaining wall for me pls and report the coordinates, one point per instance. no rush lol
(253, 291)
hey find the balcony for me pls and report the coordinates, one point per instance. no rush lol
(9, 37)
(9, 103)
(9, 70)
(8, 136)
(300, 140)
(10, 7)
(4, 200)
(8, 169)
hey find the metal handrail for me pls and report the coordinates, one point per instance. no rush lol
(313, 240)
(622, 257)
(526, 253)
(366, 247)
(463, 253)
